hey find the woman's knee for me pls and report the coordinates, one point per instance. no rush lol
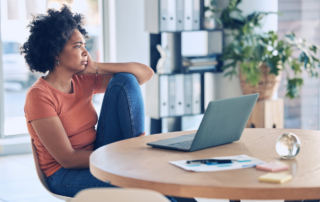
(124, 78)
(126, 81)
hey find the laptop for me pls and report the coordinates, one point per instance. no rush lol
(223, 122)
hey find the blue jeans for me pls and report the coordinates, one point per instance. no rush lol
(121, 117)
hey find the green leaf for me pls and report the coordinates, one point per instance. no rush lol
(296, 66)
(252, 72)
(313, 49)
(229, 74)
(293, 87)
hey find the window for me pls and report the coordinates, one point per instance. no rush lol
(15, 16)
(302, 17)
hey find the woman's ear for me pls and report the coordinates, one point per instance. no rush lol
(56, 57)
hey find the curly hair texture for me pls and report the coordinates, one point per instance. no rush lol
(48, 36)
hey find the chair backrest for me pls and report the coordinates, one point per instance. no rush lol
(42, 177)
(118, 195)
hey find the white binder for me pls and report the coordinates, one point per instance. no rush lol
(172, 96)
(180, 15)
(164, 96)
(152, 16)
(172, 16)
(196, 15)
(196, 93)
(164, 15)
(179, 99)
(188, 14)
(187, 94)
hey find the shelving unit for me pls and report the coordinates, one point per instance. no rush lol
(152, 13)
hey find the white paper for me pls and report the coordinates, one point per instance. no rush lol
(240, 161)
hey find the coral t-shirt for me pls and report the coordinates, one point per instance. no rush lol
(75, 111)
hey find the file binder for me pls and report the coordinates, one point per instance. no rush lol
(188, 94)
(152, 16)
(180, 14)
(196, 15)
(172, 92)
(163, 14)
(196, 93)
(179, 93)
(152, 105)
(207, 43)
(164, 96)
(172, 15)
(188, 14)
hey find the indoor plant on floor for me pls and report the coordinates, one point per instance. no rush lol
(261, 57)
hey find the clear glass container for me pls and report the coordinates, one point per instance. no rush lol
(288, 146)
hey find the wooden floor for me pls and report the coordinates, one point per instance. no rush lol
(19, 181)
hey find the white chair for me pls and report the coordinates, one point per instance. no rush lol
(42, 177)
(118, 195)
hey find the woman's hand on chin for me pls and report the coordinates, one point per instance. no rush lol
(90, 67)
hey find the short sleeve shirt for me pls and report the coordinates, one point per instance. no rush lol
(75, 110)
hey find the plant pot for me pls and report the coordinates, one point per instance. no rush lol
(268, 85)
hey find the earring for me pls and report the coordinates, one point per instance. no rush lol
(57, 62)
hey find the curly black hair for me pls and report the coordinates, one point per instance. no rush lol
(48, 36)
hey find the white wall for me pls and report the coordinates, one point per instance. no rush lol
(128, 42)
(126, 38)
(271, 22)
(131, 39)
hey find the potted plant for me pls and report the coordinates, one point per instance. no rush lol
(261, 57)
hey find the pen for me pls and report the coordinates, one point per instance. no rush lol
(205, 161)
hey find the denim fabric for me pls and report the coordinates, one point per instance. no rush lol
(122, 111)
(121, 117)
(68, 182)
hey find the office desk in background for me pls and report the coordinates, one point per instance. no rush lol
(133, 164)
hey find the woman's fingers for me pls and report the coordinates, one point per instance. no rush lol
(143, 134)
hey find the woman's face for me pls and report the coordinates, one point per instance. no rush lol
(74, 55)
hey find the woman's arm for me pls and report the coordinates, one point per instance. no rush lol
(54, 138)
(142, 72)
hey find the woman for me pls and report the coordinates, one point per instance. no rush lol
(59, 111)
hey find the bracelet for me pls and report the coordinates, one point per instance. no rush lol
(97, 70)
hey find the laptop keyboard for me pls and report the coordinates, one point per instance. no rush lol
(184, 145)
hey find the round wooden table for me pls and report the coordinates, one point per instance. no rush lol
(132, 164)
